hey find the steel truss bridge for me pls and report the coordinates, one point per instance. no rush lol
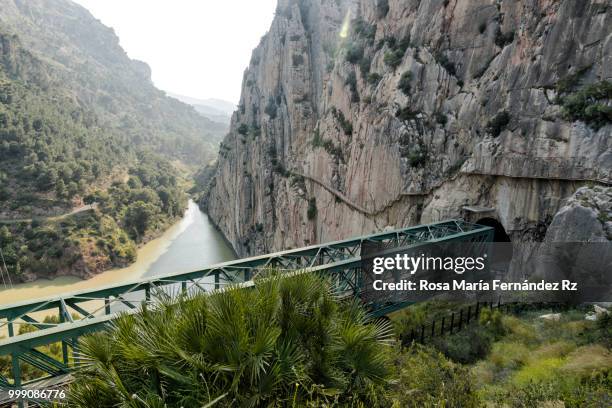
(77, 314)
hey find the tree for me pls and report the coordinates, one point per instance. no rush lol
(5, 236)
(60, 188)
(285, 342)
(138, 218)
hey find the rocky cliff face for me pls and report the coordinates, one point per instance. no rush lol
(360, 115)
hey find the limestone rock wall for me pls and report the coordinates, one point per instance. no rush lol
(408, 111)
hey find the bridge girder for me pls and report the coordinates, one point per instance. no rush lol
(97, 308)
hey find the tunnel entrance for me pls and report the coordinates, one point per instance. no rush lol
(500, 231)
(502, 249)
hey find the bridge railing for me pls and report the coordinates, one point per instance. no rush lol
(80, 313)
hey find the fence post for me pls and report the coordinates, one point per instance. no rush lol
(442, 328)
(422, 333)
(433, 329)
(452, 322)
(460, 318)
(468, 316)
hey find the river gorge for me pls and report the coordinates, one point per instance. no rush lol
(190, 244)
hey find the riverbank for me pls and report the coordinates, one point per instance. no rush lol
(186, 239)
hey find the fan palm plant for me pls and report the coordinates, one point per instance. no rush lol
(286, 342)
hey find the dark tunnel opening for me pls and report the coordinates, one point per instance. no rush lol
(500, 231)
(502, 249)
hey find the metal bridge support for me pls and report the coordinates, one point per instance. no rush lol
(340, 260)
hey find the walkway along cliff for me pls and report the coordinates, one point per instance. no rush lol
(360, 115)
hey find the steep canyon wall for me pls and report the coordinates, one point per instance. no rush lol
(360, 115)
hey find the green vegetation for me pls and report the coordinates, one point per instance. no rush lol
(523, 360)
(289, 342)
(394, 56)
(406, 114)
(354, 53)
(346, 126)
(447, 64)
(425, 378)
(312, 209)
(127, 214)
(286, 342)
(589, 104)
(351, 82)
(65, 137)
(327, 144)
(440, 118)
(243, 129)
(498, 123)
(271, 108)
(569, 82)
(364, 30)
(404, 84)
(503, 39)
(374, 78)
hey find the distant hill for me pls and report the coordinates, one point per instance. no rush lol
(81, 122)
(76, 55)
(214, 109)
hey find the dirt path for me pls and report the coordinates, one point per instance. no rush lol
(77, 210)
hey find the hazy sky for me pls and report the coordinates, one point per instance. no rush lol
(197, 48)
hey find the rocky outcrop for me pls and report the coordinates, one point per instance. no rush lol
(359, 115)
(587, 216)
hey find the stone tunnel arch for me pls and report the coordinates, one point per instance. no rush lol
(502, 250)
(500, 232)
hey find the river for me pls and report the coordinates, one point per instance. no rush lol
(190, 244)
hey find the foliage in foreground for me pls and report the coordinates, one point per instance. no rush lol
(524, 360)
(287, 342)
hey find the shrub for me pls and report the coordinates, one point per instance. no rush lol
(243, 129)
(351, 81)
(404, 84)
(271, 108)
(365, 30)
(498, 123)
(285, 342)
(427, 379)
(346, 126)
(466, 346)
(503, 39)
(364, 65)
(374, 78)
(312, 208)
(406, 114)
(354, 53)
(447, 64)
(589, 105)
(417, 158)
(441, 118)
(393, 58)
(570, 81)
